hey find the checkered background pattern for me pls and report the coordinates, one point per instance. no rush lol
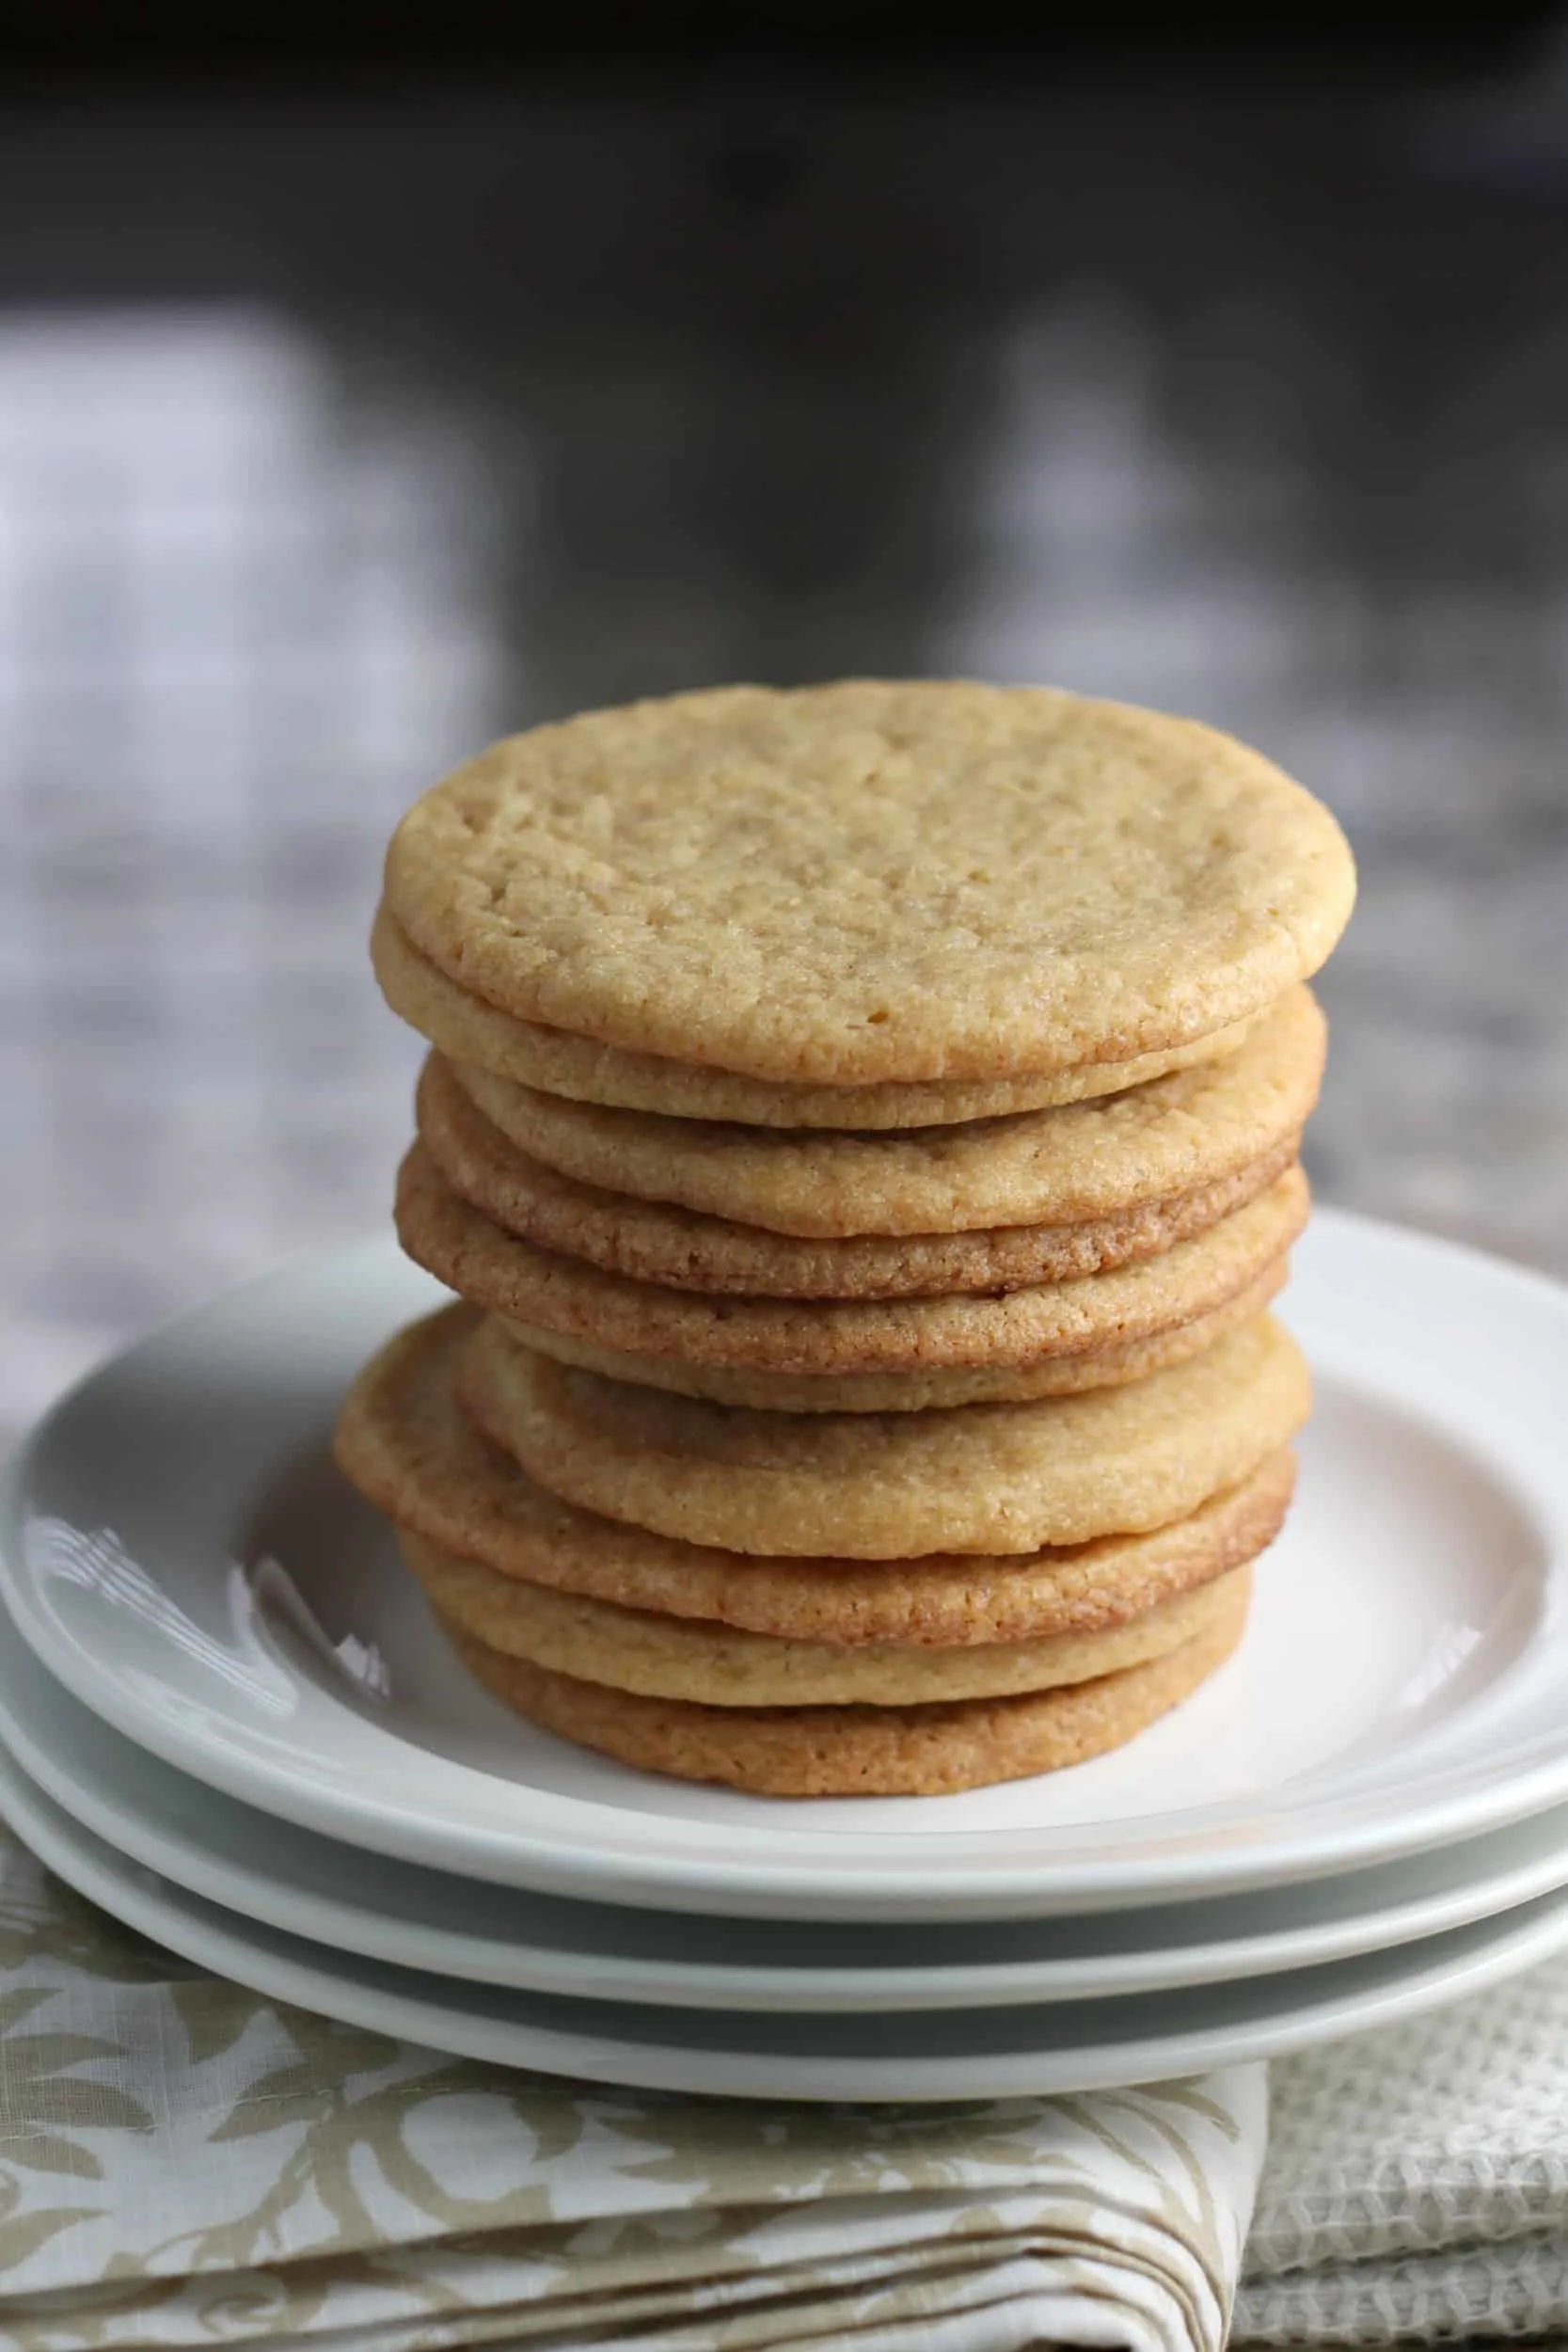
(250, 604)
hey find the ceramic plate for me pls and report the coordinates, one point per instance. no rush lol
(953, 2055)
(177, 1548)
(379, 1909)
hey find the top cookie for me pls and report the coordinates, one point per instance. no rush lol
(873, 883)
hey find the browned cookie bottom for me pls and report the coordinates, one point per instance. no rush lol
(861, 1751)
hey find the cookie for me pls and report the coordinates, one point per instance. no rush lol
(475, 1258)
(466, 1030)
(986, 1478)
(649, 1241)
(916, 1391)
(874, 882)
(861, 1751)
(674, 1657)
(1057, 1167)
(404, 1444)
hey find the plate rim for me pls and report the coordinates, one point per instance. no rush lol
(313, 1978)
(176, 1852)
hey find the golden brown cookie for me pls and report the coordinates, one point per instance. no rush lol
(917, 1392)
(1060, 1167)
(466, 1030)
(676, 1658)
(492, 1268)
(984, 1478)
(403, 1444)
(874, 881)
(649, 1241)
(861, 1751)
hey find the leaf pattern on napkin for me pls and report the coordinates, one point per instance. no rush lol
(186, 2163)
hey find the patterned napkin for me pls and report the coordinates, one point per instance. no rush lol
(184, 2163)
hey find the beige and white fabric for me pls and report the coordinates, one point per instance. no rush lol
(182, 2162)
(1416, 2183)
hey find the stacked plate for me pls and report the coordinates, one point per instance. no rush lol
(228, 1720)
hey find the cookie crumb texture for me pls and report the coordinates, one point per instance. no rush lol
(650, 1241)
(861, 1751)
(663, 1657)
(873, 883)
(469, 1029)
(985, 1478)
(404, 1442)
(1077, 1160)
(917, 1392)
(494, 1268)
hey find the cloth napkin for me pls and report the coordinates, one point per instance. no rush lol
(1416, 2181)
(185, 2163)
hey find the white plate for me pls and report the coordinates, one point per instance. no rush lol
(351, 1901)
(955, 2054)
(1400, 1685)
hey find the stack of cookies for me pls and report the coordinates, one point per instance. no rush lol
(862, 1130)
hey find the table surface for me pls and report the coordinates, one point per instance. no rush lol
(339, 435)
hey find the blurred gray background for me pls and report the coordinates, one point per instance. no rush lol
(347, 421)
